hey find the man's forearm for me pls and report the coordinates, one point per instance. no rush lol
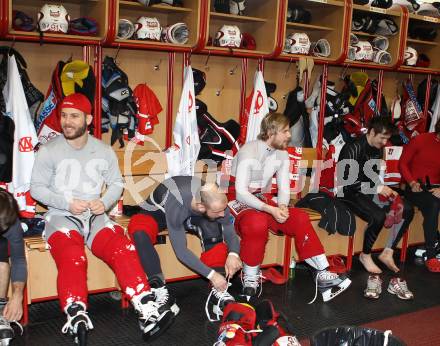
(17, 290)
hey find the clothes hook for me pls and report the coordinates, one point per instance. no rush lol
(219, 91)
(157, 66)
(206, 62)
(287, 69)
(232, 70)
(11, 47)
(117, 52)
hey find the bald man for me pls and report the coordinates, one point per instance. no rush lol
(184, 204)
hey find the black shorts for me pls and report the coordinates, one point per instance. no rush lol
(4, 250)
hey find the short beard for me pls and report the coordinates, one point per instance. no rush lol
(78, 133)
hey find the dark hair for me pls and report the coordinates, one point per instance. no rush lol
(382, 125)
(437, 127)
(8, 210)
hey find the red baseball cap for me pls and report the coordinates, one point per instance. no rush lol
(77, 101)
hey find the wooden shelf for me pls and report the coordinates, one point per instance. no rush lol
(235, 18)
(154, 8)
(418, 69)
(367, 63)
(365, 34)
(308, 26)
(53, 35)
(424, 18)
(428, 43)
(389, 12)
(64, 2)
(319, 3)
(234, 50)
(150, 42)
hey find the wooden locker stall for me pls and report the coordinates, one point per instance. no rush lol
(190, 14)
(395, 41)
(329, 19)
(96, 9)
(430, 46)
(260, 19)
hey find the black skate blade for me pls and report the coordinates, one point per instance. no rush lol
(161, 326)
(81, 335)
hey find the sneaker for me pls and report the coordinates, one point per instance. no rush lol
(78, 322)
(374, 287)
(6, 331)
(251, 283)
(399, 287)
(165, 300)
(216, 302)
(152, 322)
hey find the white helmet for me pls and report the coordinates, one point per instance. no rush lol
(382, 57)
(176, 33)
(364, 51)
(299, 43)
(321, 48)
(228, 36)
(125, 29)
(148, 28)
(53, 18)
(410, 57)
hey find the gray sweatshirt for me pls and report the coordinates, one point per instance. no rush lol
(14, 235)
(62, 173)
(254, 167)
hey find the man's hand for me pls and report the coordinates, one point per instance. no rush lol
(13, 309)
(415, 186)
(219, 282)
(78, 206)
(435, 192)
(97, 207)
(232, 265)
(387, 191)
(279, 214)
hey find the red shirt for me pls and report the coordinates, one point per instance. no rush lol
(421, 158)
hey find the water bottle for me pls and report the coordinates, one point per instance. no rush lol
(292, 268)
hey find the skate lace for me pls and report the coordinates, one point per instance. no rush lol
(162, 295)
(7, 324)
(234, 326)
(148, 310)
(74, 327)
(221, 296)
(253, 280)
(323, 275)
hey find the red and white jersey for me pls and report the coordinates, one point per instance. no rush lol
(392, 173)
(182, 157)
(255, 111)
(148, 108)
(25, 138)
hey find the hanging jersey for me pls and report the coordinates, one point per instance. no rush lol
(392, 173)
(148, 107)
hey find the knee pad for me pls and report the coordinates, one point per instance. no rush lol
(67, 249)
(257, 222)
(216, 256)
(143, 223)
(110, 241)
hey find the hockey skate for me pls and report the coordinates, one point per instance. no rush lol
(163, 297)
(329, 284)
(78, 323)
(6, 332)
(216, 302)
(252, 285)
(152, 322)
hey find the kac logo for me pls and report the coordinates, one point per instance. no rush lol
(25, 144)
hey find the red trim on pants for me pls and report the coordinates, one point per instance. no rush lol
(253, 227)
